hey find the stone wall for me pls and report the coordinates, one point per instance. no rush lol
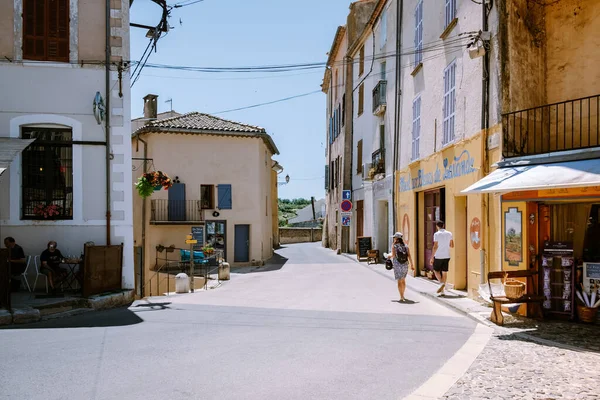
(299, 235)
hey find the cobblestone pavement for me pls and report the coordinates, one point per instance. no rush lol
(510, 368)
(583, 336)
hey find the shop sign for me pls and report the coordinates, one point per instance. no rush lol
(462, 165)
(591, 191)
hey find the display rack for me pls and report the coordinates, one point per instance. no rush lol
(557, 279)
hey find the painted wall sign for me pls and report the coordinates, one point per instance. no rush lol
(475, 233)
(459, 166)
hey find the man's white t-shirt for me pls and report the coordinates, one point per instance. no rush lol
(443, 238)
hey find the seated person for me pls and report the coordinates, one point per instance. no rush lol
(51, 259)
(18, 261)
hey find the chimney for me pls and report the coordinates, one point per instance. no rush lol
(150, 107)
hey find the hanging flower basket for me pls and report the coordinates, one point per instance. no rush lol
(47, 211)
(152, 181)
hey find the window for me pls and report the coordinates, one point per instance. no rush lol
(335, 172)
(359, 157)
(450, 11)
(343, 108)
(47, 174)
(419, 33)
(335, 87)
(207, 197)
(224, 197)
(361, 61)
(383, 67)
(332, 175)
(340, 169)
(382, 136)
(416, 128)
(449, 102)
(361, 99)
(383, 29)
(327, 177)
(339, 119)
(46, 30)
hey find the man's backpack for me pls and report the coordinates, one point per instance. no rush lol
(402, 253)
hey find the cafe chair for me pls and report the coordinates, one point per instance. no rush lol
(24, 274)
(36, 262)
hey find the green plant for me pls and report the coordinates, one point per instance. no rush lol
(147, 182)
(208, 249)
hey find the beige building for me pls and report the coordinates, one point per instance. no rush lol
(225, 179)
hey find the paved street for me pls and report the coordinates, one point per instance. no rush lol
(314, 325)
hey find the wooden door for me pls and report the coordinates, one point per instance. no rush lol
(360, 218)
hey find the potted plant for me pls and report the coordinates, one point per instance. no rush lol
(208, 250)
(372, 172)
(151, 181)
(47, 211)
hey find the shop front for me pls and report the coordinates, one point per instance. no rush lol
(429, 190)
(551, 224)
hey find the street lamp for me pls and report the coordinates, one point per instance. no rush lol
(287, 180)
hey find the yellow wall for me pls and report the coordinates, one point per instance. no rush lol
(436, 171)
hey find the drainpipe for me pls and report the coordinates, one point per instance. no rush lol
(485, 124)
(398, 105)
(107, 121)
(144, 202)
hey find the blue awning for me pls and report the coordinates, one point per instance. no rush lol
(538, 177)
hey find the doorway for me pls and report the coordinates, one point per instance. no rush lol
(435, 210)
(216, 236)
(242, 243)
(360, 218)
(383, 223)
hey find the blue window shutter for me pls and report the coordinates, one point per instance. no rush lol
(224, 194)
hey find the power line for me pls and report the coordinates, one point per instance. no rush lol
(267, 103)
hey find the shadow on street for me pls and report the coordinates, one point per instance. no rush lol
(273, 264)
(93, 319)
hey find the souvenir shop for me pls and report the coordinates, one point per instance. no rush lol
(557, 232)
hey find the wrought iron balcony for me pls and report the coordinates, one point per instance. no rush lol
(175, 212)
(568, 125)
(378, 161)
(379, 99)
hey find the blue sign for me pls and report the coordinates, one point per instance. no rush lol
(460, 166)
(346, 220)
(346, 195)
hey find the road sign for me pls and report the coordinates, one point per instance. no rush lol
(346, 205)
(346, 219)
(191, 241)
(188, 237)
(346, 195)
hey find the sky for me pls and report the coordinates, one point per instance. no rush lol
(235, 33)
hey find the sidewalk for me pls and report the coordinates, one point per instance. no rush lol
(567, 335)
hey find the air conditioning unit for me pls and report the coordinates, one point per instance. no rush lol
(365, 171)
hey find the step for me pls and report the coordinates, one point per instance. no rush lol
(68, 313)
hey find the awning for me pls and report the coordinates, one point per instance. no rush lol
(538, 177)
(9, 149)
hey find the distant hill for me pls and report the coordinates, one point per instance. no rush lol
(288, 209)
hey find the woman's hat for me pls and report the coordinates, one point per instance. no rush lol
(398, 235)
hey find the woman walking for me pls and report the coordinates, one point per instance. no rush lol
(401, 258)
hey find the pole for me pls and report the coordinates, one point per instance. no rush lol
(312, 201)
(191, 268)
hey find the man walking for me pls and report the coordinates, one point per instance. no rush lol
(440, 259)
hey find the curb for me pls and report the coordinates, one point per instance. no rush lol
(478, 318)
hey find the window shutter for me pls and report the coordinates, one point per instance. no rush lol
(46, 30)
(327, 177)
(359, 157)
(58, 30)
(224, 195)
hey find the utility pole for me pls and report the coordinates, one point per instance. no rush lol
(312, 201)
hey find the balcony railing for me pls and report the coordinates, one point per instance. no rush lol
(379, 99)
(173, 212)
(568, 125)
(378, 161)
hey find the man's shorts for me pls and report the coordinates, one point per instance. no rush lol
(441, 264)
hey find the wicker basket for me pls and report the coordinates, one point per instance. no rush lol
(514, 289)
(587, 314)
